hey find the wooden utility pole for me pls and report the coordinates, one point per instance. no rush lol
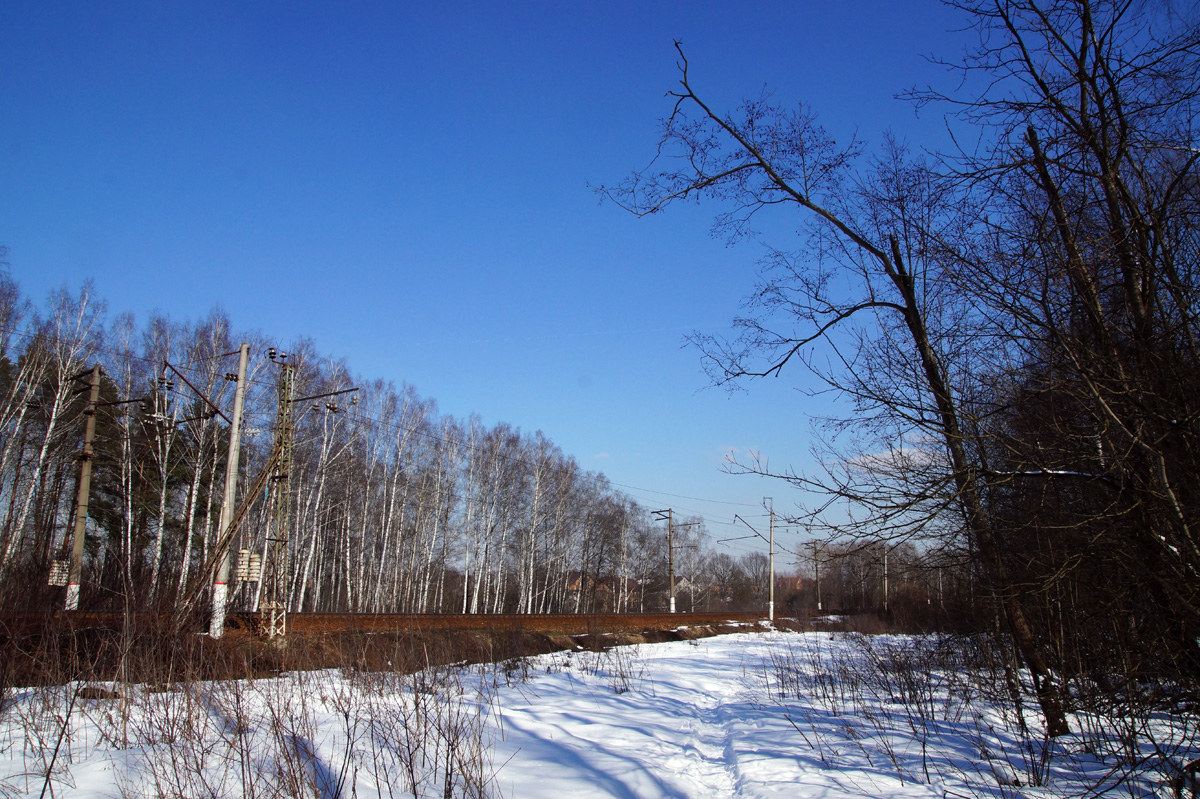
(75, 575)
(220, 592)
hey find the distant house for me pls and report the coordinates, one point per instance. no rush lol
(577, 581)
(605, 591)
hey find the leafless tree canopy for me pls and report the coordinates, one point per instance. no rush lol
(1013, 322)
(394, 507)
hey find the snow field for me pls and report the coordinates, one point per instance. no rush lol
(698, 722)
(814, 715)
(775, 714)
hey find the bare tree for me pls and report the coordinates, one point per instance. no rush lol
(64, 340)
(869, 268)
(1014, 326)
(1084, 250)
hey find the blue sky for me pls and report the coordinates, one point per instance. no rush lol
(408, 185)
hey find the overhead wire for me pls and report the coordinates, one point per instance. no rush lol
(266, 418)
(697, 499)
(263, 420)
(441, 438)
(461, 442)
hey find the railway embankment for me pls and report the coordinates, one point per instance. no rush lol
(59, 647)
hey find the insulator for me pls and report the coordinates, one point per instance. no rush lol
(231, 377)
(271, 353)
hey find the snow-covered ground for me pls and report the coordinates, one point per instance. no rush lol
(696, 720)
(747, 715)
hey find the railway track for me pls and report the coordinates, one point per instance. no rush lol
(566, 624)
(318, 624)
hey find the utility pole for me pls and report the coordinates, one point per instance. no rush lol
(273, 607)
(670, 549)
(691, 575)
(216, 627)
(817, 569)
(770, 558)
(771, 561)
(75, 574)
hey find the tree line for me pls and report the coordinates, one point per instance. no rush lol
(393, 506)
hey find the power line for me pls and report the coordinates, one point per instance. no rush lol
(263, 420)
(697, 499)
(440, 438)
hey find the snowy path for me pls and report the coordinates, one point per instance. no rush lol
(692, 724)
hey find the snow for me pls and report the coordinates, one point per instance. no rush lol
(693, 723)
(815, 716)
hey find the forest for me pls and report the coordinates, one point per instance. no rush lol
(392, 506)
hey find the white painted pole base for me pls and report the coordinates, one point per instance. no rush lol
(216, 627)
(771, 611)
(672, 604)
(72, 601)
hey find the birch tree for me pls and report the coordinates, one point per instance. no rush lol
(63, 341)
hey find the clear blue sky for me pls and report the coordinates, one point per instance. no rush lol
(408, 185)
